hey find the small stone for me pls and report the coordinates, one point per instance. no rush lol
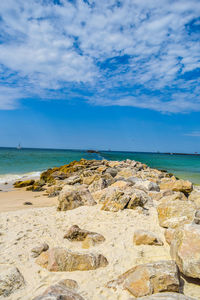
(38, 250)
(28, 203)
(197, 217)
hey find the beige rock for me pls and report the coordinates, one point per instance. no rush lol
(97, 185)
(166, 296)
(185, 249)
(169, 235)
(73, 196)
(147, 185)
(10, 280)
(121, 184)
(195, 197)
(88, 238)
(157, 196)
(65, 290)
(143, 237)
(38, 250)
(147, 279)
(63, 260)
(138, 198)
(116, 200)
(126, 173)
(184, 186)
(175, 213)
(90, 179)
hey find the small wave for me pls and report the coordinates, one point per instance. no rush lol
(13, 177)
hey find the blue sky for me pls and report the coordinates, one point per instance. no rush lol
(121, 75)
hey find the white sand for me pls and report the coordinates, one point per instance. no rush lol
(24, 229)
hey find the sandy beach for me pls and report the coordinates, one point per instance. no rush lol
(23, 227)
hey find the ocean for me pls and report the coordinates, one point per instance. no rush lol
(15, 164)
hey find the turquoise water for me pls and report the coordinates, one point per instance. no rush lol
(14, 163)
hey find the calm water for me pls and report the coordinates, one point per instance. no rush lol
(14, 163)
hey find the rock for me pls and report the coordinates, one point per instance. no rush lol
(184, 186)
(38, 250)
(143, 237)
(63, 290)
(126, 173)
(166, 296)
(147, 185)
(115, 200)
(88, 238)
(63, 260)
(72, 180)
(138, 198)
(28, 203)
(20, 184)
(147, 279)
(185, 250)
(169, 235)
(157, 196)
(53, 191)
(175, 213)
(112, 171)
(197, 217)
(121, 184)
(98, 185)
(10, 280)
(195, 197)
(73, 196)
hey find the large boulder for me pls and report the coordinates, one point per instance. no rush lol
(73, 196)
(147, 185)
(99, 184)
(143, 237)
(147, 279)
(89, 238)
(119, 198)
(185, 249)
(175, 212)
(184, 186)
(166, 296)
(63, 290)
(63, 260)
(195, 197)
(10, 280)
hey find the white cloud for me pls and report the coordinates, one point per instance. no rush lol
(50, 47)
(193, 133)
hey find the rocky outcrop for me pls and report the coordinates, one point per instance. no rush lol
(88, 238)
(20, 184)
(10, 280)
(184, 186)
(143, 237)
(63, 260)
(73, 196)
(185, 250)
(166, 296)
(63, 290)
(147, 279)
(174, 212)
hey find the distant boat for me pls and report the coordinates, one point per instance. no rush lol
(19, 147)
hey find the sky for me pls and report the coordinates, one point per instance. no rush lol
(119, 75)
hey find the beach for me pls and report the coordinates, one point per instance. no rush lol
(24, 227)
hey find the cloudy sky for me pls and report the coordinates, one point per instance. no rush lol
(106, 74)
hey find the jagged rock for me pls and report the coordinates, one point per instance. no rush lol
(90, 179)
(38, 250)
(72, 180)
(10, 280)
(143, 237)
(20, 184)
(63, 290)
(63, 260)
(166, 296)
(126, 173)
(97, 185)
(185, 249)
(88, 238)
(53, 191)
(74, 196)
(175, 213)
(147, 185)
(195, 197)
(184, 186)
(138, 198)
(157, 196)
(121, 184)
(169, 235)
(197, 217)
(147, 279)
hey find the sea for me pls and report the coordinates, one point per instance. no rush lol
(26, 163)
